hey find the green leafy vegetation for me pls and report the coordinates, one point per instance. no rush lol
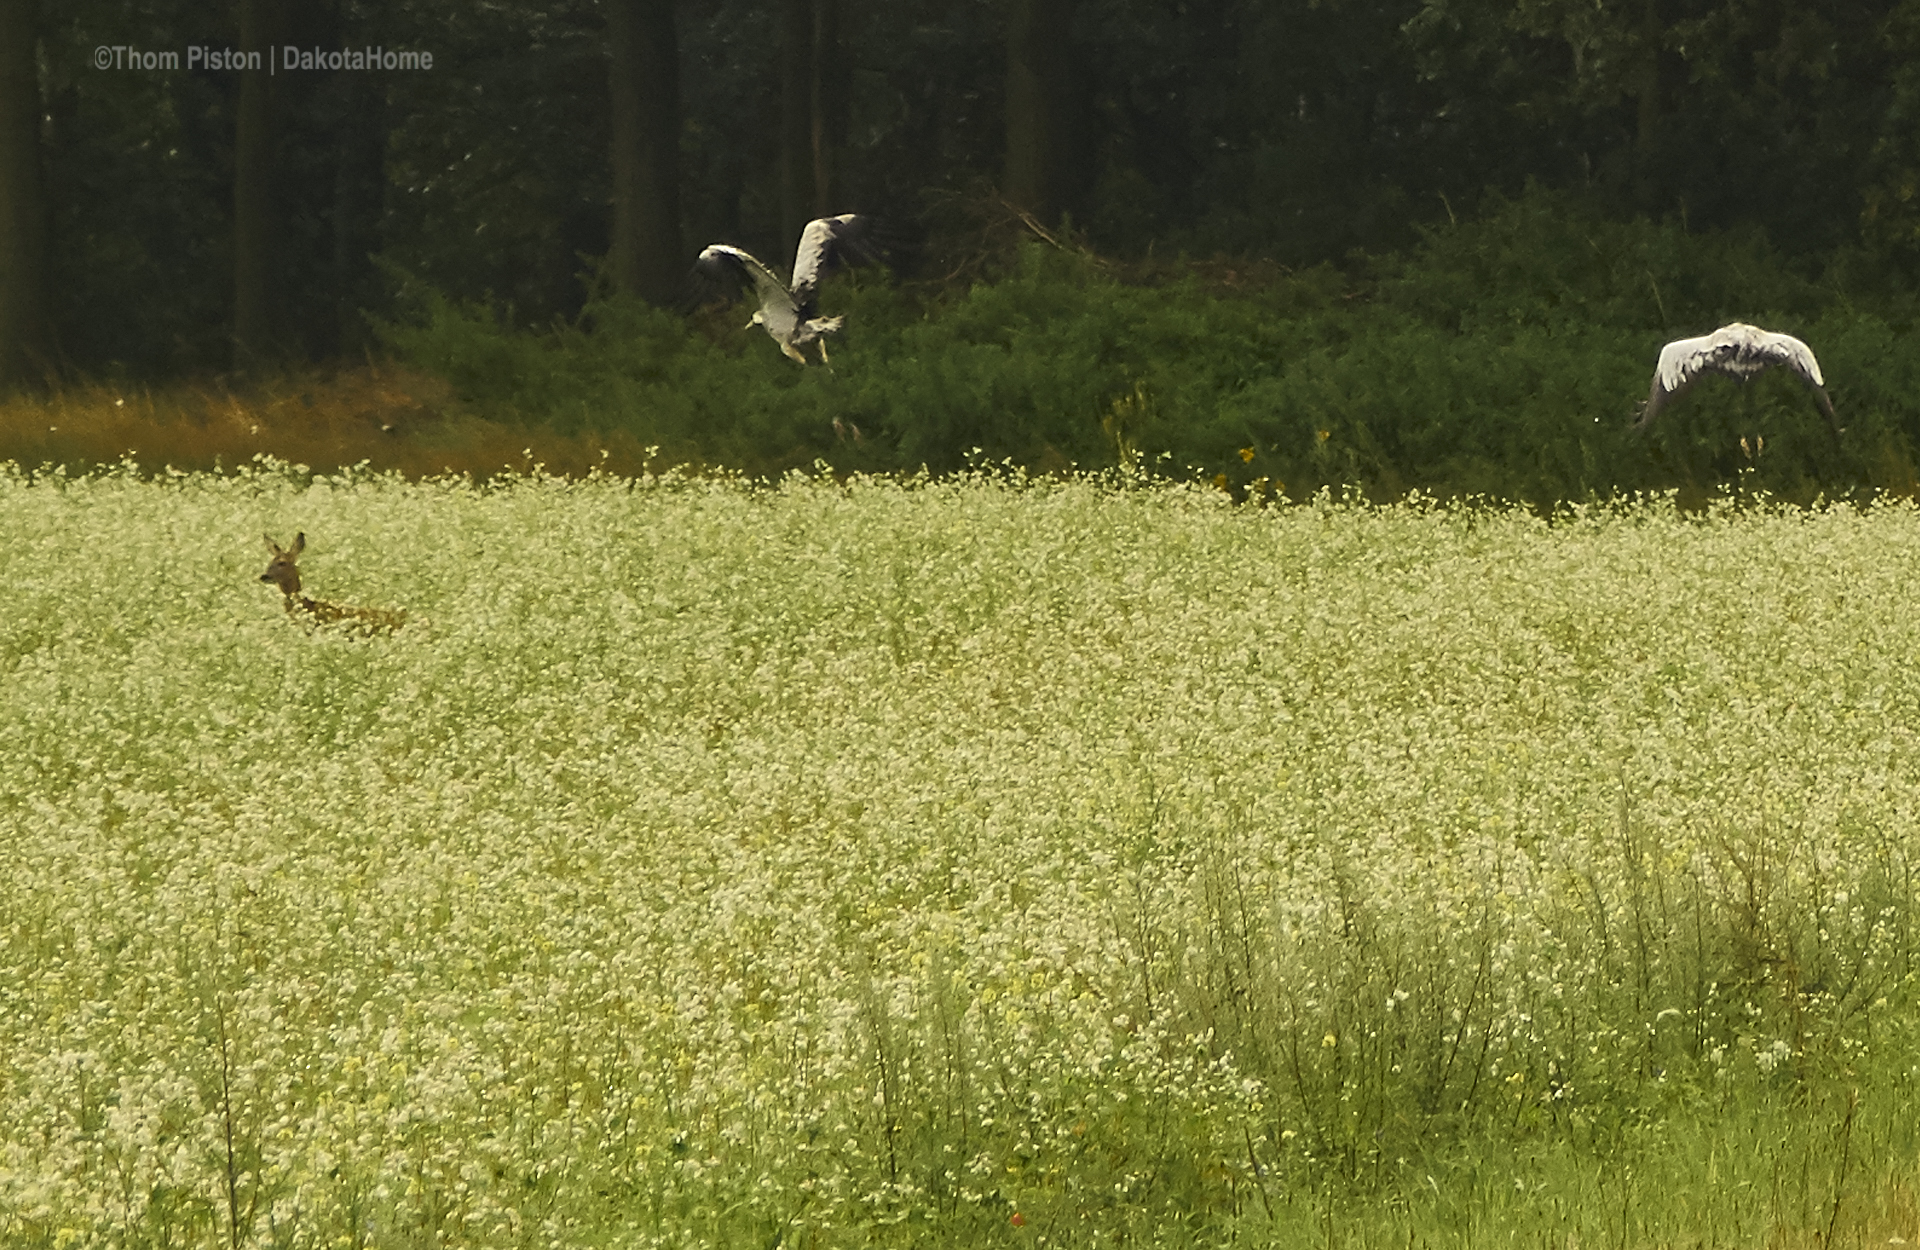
(1503, 357)
(951, 862)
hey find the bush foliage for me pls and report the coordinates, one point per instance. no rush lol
(1504, 357)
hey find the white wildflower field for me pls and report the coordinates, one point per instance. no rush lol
(978, 862)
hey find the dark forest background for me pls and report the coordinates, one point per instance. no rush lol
(1413, 243)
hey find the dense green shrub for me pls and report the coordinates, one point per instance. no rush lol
(1502, 357)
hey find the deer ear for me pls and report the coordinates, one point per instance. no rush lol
(272, 546)
(299, 542)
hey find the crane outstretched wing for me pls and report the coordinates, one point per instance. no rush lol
(830, 243)
(1681, 364)
(726, 268)
(1788, 351)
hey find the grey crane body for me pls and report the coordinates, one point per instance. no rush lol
(1738, 350)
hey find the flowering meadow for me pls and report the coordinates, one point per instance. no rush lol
(982, 861)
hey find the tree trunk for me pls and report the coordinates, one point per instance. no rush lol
(1046, 106)
(796, 117)
(828, 102)
(359, 187)
(1646, 90)
(813, 112)
(647, 256)
(25, 318)
(255, 208)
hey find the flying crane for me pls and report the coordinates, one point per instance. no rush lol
(791, 314)
(1739, 351)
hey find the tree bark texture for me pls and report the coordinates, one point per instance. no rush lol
(1646, 91)
(256, 207)
(359, 186)
(647, 256)
(813, 112)
(1047, 99)
(26, 335)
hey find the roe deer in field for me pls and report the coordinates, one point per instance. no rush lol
(282, 573)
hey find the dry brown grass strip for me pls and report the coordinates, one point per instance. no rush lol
(387, 416)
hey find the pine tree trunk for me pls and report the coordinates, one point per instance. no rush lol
(813, 112)
(1046, 100)
(255, 210)
(1646, 89)
(25, 318)
(796, 116)
(647, 256)
(827, 103)
(359, 189)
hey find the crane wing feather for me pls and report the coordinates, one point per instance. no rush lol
(1681, 362)
(829, 243)
(1784, 349)
(724, 262)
